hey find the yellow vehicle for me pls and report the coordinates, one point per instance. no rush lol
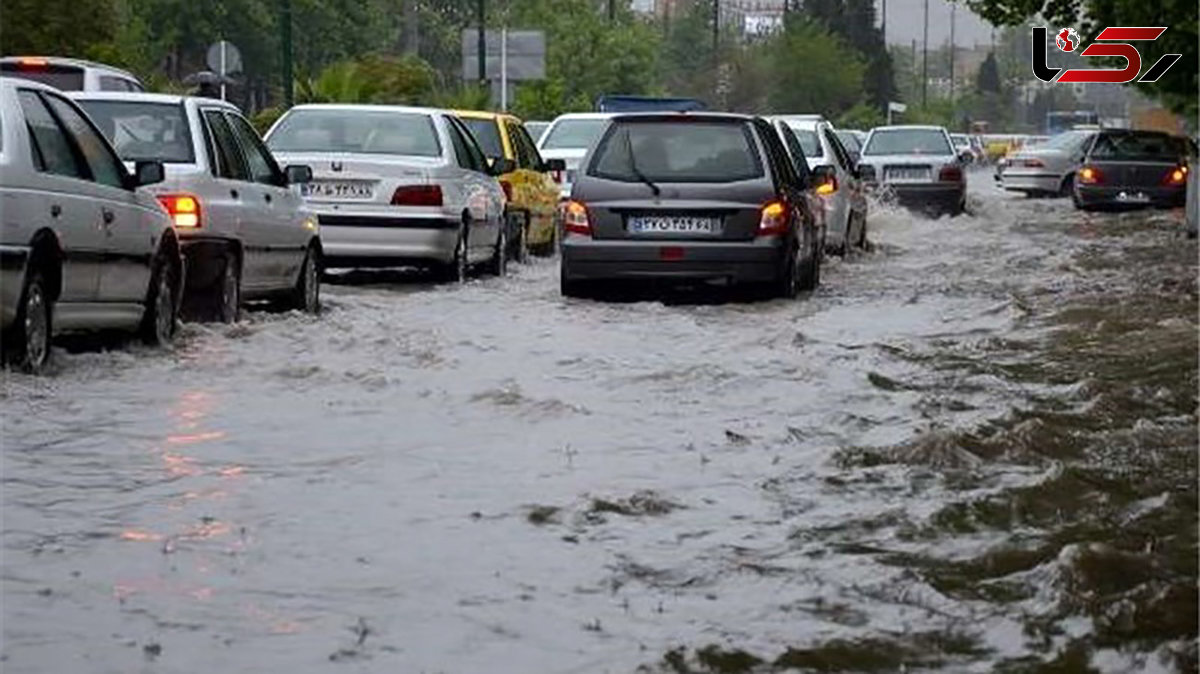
(531, 191)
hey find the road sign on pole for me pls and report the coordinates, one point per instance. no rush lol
(224, 58)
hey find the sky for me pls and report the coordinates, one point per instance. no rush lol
(904, 23)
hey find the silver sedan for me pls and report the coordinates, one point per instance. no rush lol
(1046, 169)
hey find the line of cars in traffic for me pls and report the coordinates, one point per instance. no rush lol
(122, 209)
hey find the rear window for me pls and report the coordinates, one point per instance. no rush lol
(487, 134)
(907, 141)
(576, 134)
(1135, 146)
(144, 131)
(62, 77)
(960, 141)
(356, 131)
(808, 141)
(704, 152)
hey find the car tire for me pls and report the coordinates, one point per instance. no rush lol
(862, 232)
(306, 294)
(1067, 188)
(455, 271)
(809, 273)
(31, 332)
(572, 288)
(160, 319)
(498, 265)
(226, 297)
(788, 284)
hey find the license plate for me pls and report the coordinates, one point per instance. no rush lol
(907, 174)
(1133, 197)
(673, 224)
(342, 189)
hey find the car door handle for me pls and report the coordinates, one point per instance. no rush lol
(267, 197)
(234, 194)
(108, 216)
(55, 210)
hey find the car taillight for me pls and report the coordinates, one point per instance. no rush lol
(184, 209)
(1090, 175)
(576, 219)
(828, 187)
(417, 195)
(1034, 163)
(508, 190)
(950, 174)
(1176, 176)
(557, 176)
(774, 219)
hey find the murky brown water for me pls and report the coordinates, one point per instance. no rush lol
(975, 449)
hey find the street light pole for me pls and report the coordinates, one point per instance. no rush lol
(481, 42)
(285, 35)
(924, 60)
(953, 8)
(716, 28)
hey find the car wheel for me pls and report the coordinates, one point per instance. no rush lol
(455, 271)
(306, 294)
(29, 336)
(1068, 186)
(498, 265)
(862, 232)
(789, 281)
(227, 292)
(159, 320)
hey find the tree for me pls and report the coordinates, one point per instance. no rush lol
(988, 78)
(831, 79)
(854, 21)
(1177, 89)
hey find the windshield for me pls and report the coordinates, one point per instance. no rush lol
(575, 134)
(808, 141)
(144, 131)
(535, 129)
(849, 140)
(907, 141)
(1066, 141)
(1138, 146)
(357, 131)
(705, 152)
(487, 134)
(61, 77)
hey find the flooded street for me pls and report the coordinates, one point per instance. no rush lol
(972, 449)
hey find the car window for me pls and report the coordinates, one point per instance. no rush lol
(52, 151)
(143, 131)
(849, 141)
(263, 168)
(669, 151)
(359, 131)
(105, 166)
(839, 151)
(473, 155)
(575, 134)
(524, 159)
(799, 163)
(908, 141)
(1133, 146)
(462, 156)
(61, 77)
(808, 140)
(110, 83)
(230, 163)
(781, 164)
(530, 146)
(487, 134)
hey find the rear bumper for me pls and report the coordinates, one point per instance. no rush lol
(735, 262)
(382, 241)
(1031, 182)
(12, 281)
(1125, 197)
(932, 197)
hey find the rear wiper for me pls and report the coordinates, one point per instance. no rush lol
(636, 171)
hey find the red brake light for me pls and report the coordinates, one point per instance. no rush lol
(1034, 163)
(557, 176)
(508, 190)
(1090, 175)
(576, 219)
(184, 209)
(417, 195)
(33, 63)
(1176, 176)
(950, 174)
(775, 219)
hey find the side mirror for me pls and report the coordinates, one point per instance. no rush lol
(554, 165)
(824, 179)
(148, 173)
(298, 174)
(966, 156)
(501, 165)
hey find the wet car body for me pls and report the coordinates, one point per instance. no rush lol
(620, 229)
(247, 234)
(926, 176)
(1125, 169)
(1046, 169)
(395, 186)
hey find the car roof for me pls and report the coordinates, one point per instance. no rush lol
(13, 82)
(584, 115)
(485, 114)
(910, 127)
(807, 122)
(138, 97)
(367, 107)
(63, 60)
(683, 116)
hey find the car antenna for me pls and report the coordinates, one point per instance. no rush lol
(633, 165)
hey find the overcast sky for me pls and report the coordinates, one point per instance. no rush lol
(904, 23)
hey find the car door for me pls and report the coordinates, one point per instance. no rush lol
(479, 190)
(285, 238)
(839, 201)
(130, 238)
(803, 174)
(856, 197)
(60, 200)
(543, 191)
(248, 220)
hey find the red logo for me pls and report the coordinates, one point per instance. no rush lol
(1113, 41)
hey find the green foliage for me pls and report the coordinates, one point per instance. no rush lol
(465, 97)
(988, 78)
(861, 116)
(831, 79)
(372, 79)
(263, 119)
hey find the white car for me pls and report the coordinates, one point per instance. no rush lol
(844, 202)
(962, 145)
(919, 165)
(66, 74)
(568, 138)
(1046, 168)
(81, 247)
(246, 233)
(396, 186)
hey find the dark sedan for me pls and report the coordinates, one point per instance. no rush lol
(689, 197)
(1132, 169)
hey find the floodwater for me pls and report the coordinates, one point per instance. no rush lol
(973, 449)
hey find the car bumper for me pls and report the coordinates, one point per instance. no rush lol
(12, 281)
(1127, 197)
(383, 241)
(733, 262)
(1030, 182)
(934, 197)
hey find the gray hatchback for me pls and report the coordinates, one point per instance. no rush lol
(690, 198)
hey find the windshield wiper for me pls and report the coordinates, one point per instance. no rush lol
(637, 173)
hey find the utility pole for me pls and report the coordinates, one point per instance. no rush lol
(953, 8)
(612, 11)
(716, 11)
(412, 29)
(482, 43)
(883, 28)
(924, 60)
(285, 35)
